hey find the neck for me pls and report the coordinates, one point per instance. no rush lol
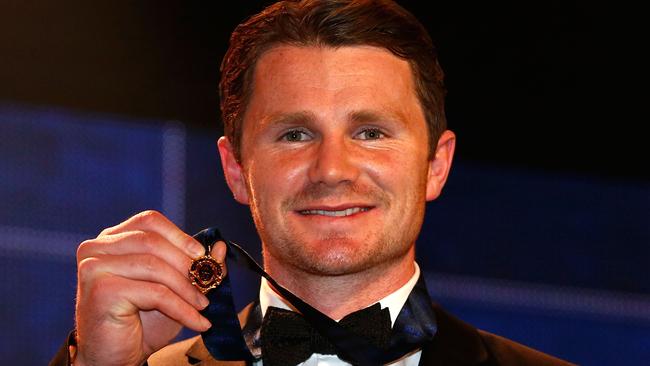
(337, 296)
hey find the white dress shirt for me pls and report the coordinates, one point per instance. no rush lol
(394, 302)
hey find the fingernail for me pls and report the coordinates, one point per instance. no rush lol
(205, 323)
(203, 301)
(219, 250)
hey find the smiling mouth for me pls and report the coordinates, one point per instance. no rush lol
(335, 213)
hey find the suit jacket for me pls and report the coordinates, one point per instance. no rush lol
(455, 344)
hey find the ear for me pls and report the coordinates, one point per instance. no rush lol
(232, 170)
(440, 164)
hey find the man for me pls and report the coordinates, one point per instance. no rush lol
(335, 135)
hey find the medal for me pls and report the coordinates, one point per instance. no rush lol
(205, 272)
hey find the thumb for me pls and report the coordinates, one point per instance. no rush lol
(218, 252)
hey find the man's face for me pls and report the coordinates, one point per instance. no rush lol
(334, 159)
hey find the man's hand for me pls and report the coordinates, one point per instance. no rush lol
(133, 293)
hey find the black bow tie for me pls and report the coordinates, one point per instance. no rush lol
(288, 339)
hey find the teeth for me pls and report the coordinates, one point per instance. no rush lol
(339, 213)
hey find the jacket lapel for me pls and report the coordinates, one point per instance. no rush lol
(456, 343)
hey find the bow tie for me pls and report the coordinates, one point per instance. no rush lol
(288, 339)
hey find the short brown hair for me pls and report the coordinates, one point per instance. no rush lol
(332, 23)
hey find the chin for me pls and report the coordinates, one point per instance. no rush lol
(340, 256)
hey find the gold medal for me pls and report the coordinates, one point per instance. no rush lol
(206, 273)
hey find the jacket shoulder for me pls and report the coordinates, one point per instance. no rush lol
(459, 343)
(507, 352)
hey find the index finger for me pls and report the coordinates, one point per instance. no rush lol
(154, 221)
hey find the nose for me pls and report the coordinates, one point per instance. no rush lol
(334, 162)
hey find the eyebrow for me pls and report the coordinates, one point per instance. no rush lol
(292, 118)
(358, 116)
(369, 116)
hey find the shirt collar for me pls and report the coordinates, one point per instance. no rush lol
(394, 301)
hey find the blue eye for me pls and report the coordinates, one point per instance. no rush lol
(295, 135)
(371, 134)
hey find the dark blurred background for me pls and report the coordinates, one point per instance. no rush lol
(108, 108)
(545, 85)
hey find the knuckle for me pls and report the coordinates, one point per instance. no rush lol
(148, 241)
(107, 231)
(88, 274)
(159, 292)
(102, 288)
(87, 267)
(150, 263)
(149, 216)
(84, 248)
(143, 239)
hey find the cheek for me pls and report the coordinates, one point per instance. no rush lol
(397, 169)
(274, 176)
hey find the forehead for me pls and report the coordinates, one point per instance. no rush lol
(325, 79)
(347, 61)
